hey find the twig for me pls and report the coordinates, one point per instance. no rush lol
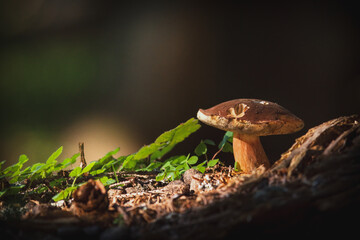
(82, 155)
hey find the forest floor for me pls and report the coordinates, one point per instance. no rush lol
(313, 189)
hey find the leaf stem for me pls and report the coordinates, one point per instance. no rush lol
(113, 168)
(74, 182)
(217, 152)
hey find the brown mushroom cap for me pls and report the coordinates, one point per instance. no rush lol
(251, 116)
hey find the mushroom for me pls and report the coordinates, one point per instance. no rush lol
(249, 119)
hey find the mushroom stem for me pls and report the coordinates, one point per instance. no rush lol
(248, 152)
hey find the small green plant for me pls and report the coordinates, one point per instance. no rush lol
(175, 166)
(226, 143)
(155, 151)
(14, 175)
(148, 158)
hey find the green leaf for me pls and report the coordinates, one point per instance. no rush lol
(23, 159)
(212, 163)
(129, 163)
(41, 189)
(227, 147)
(180, 167)
(3, 192)
(117, 163)
(75, 172)
(10, 170)
(193, 160)
(160, 176)
(200, 167)
(162, 145)
(171, 175)
(108, 156)
(151, 167)
(14, 169)
(107, 181)
(169, 139)
(166, 165)
(64, 194)
(185, 129)
(1, 163)
(54, 156)
(109, 164)
(97, 172)
(178, 159)
(104, 161)
(200, 149)
(186, 167)
(237, 166)
(11, 190)
(165, 137)
(87, 168)
(37, 167)
(209, 142)
(25, 173)
(66, 162)
(227, 137)
(146, 151)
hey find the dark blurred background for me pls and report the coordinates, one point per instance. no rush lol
(112, 74)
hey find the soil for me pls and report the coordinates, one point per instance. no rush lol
(312, 190)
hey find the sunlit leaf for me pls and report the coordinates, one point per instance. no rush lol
(64, 194)
(193, 160)
(67, 162)
(129, 163)
(160, 176)
(169, 139)
(212, 163)
(108, 156)
(166, 165)
(22, 159)
(146, 151)
(171, 175)
(107, 181)
(87, 168)
(37, 167)
(75, 172)
(200, 167)
(237, 166)
(54, 156)
(97, 172)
